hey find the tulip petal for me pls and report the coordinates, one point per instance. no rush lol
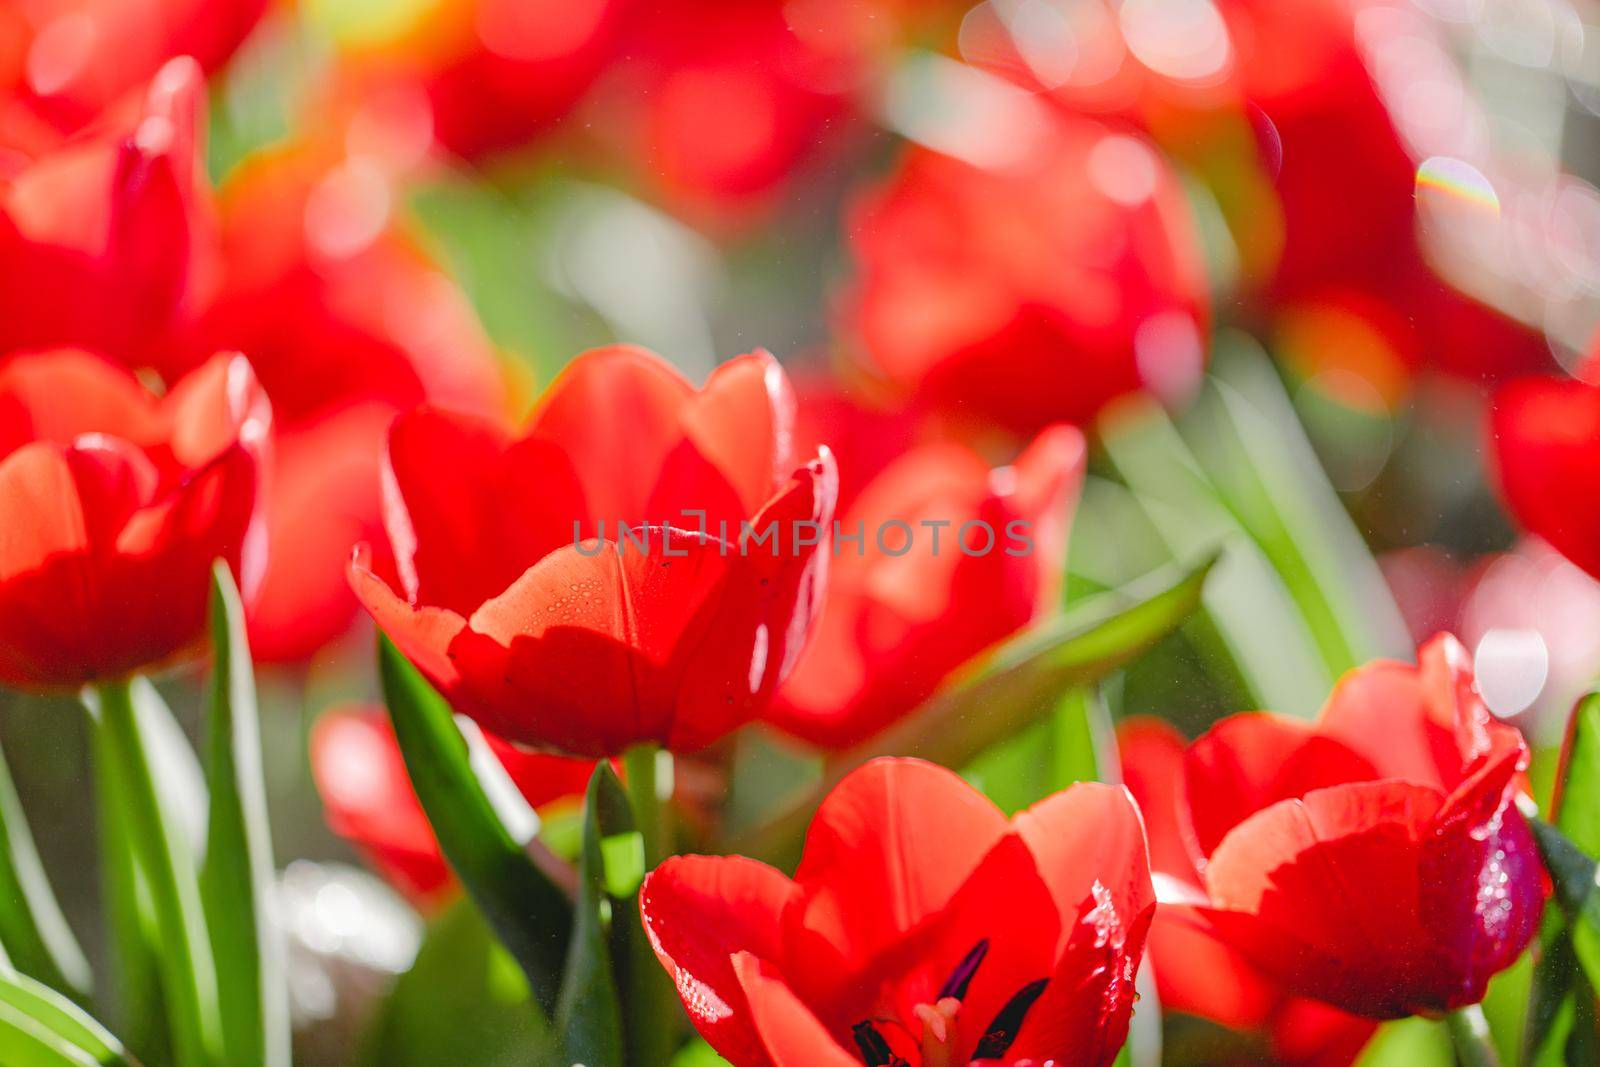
(1089, 843)
(1151, 752)
(741, 430)
(869, 874)
(1547, 442)
(1249, 761)
(1298, 880)
(616, 412)
(597, 626)
(105, 399)
(791, 1034)
(368, 800)
(423, 634)
(699, 912)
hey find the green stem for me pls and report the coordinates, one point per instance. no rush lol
(188, 974)
(1469, 1032)
(650, 1002)
(652, 812)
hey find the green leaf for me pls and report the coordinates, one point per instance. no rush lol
(51, 1020)
(1247, 437)
(1004, 691)
(237, 878)
(464, 1000)
(1573, 873)
(1572, 939)
(526, 909)
(1251, 628)
(163, 857)
(589, 1014)
(33, 931)
(1415, 1042)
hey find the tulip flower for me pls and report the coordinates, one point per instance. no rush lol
(348, 324)
(1546, 436)
(1374, 859)
(639, 566)
(368, 799)
(101, 237)
(1033, 290)
(116, 505)
(948, 558)
(922, 929)
(66, 62)
(1196, 973)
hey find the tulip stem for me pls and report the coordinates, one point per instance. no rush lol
(162, 857)
(650, 790)
(1469, 1031)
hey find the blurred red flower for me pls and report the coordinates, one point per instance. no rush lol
(1036, 290)
(718, 102)
(101, 237)
(671, 628)
(1196, 972)
(908, 603)
(1400, 794)
(921, 929)
(1546, 439)
(348, 324)
(116, 505)
(65, 62)
(368, 799)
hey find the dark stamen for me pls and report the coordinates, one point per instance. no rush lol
(1008, 1023)
(960, 978)
(875, 1051)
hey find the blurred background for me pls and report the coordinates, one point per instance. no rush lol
(1276, 255)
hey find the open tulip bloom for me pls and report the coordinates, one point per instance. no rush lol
(922, 929)
(641, 565)
(1375, 859)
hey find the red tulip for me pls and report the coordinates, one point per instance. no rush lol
(101, 237)
(1375, 859)
(1196, 972)
(669, 628)
(63, 63)
(368, 799)
(1547, 448)
(903, 610)
(348, 324)
(116, 505)
(921, 930)
(721, 102)
(1037, 291)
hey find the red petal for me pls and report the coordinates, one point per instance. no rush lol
(616, 412)
(1328, 891)
(1547, 445)
(790, 1033)
(698, 912)
(104, 398)
(888, 848)
(1199, 973)
(1089, 844)
(586, 653)
(422, 634)
(1151, 752)
(215, 406)
(368, 800)
(741, 427)
(1248, 762)
(439, 476)
(541, 778)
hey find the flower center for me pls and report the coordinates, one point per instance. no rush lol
(934, 1029)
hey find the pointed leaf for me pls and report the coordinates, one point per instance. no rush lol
(33, 931)
(236, 880)
(589, 1014)
(526, 909)
(70, 1030)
